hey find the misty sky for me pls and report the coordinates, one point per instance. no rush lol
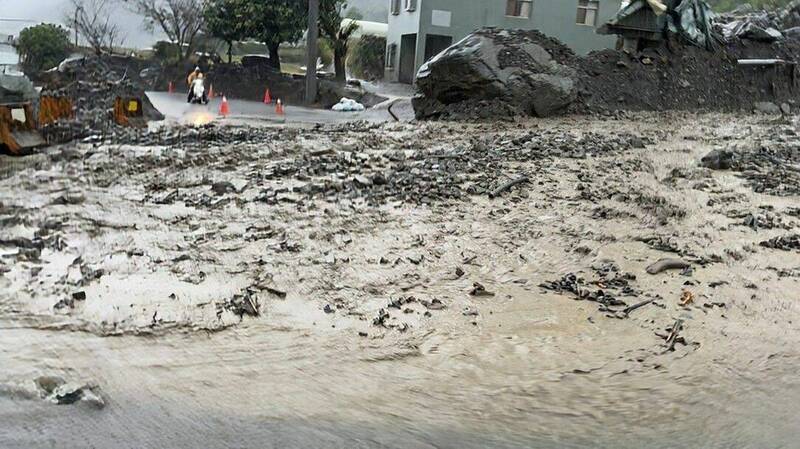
(54, 11)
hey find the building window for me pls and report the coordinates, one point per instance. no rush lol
(411, 5)
(391, 55)
(519, 8)
(587, 12)
(395, 7)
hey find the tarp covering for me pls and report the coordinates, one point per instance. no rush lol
(348, 105)
(692, 19)
(657, 7)
(745, 29)
(635, 16)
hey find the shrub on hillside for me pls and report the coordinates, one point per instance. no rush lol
(42, 47)
(367, 59)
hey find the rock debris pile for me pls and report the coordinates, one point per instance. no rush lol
(771, 167)
(502, 74)
(521, 69)
(93, 84)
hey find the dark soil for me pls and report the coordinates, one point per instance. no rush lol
(675, 75)
(560, 52)
(679, 76)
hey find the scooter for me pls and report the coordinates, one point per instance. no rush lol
(198, 93)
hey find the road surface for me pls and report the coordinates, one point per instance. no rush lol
(175, 108)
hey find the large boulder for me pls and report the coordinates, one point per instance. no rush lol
(524, 69)
(16, 88)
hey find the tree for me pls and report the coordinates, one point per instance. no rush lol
(93, 21)
(274, 22)
(43, 46)
(180, 20)
(337, 31)
(227, 20)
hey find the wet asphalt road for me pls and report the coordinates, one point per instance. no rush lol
(175, 108)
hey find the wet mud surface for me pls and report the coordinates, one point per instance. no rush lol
(552, 283)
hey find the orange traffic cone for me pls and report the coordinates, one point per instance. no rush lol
(224, 110)
(171, 88)
(267, 97)
(279, 107)
(211, 92)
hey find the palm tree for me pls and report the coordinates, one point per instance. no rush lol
(337, 31)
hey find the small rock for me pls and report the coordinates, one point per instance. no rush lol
(718, 160)
(48, 384)
(70, 198)
(222, 187)
(479, 290)
(767, 107)
(363, 180)
(434, 304)
(469, 311)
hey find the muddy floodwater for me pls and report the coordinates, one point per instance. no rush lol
(406, 285)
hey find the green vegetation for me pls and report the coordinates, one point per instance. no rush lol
(335, 34)
(297, 54)
(166, 51)
(227, 21)
(367, 59)
(276, 22)
(42, 47)
(272, 22)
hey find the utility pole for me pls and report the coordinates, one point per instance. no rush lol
(75, 24)
(311, 51)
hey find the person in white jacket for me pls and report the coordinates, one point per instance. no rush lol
(198, 89)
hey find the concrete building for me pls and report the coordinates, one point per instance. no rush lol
(9, 60)
(420, 29)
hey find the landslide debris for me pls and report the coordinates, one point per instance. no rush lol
(771, 166)
(523, 69)
(503, 74)
(679, 76)
(417, 177)
(92, 84)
